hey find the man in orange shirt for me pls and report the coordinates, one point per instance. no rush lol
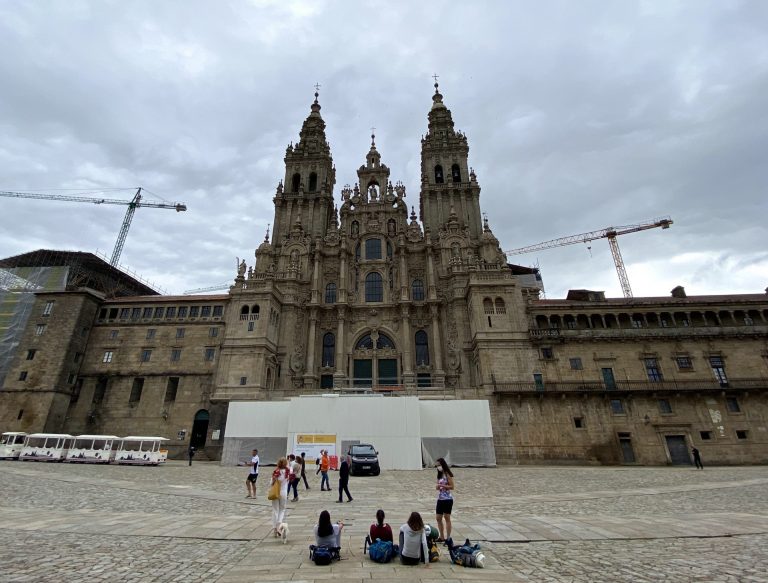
(325, 484)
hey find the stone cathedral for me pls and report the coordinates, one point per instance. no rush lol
(369, 290)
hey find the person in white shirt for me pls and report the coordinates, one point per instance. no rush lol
(278, 506)
(413, 541)
(250, 481)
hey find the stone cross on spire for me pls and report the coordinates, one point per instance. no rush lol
(317, 91)
(373, 137)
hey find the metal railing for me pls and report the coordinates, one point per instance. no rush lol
(630, 386)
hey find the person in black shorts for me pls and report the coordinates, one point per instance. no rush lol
(253, 474)
(444, 499)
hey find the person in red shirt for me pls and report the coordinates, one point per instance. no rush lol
(381, 529)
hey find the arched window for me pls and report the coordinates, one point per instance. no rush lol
(255, 312)
(313, 182)
(374, 290)
(456, 173)
(422, 348)
(373, 249)
(295, 182)
(244, 310)
(438, 174)
(383, 341)
(330, 293)
(417, 290)
(329, 349)
(488, 305)
(365, 342)
(500, 307)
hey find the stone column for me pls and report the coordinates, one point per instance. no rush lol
(340, 376)
(309, 371)
(438, 379)
(409, 378)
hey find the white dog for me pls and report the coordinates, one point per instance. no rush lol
(283, 531)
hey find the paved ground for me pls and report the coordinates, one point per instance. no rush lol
(67, 523)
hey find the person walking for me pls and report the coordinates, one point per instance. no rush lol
(191, 453)
(344, 481)
(303, 462)
(253, 474)
(444, 505)
(697, 458)
(294, 475)
(325, 484)
(278, 505)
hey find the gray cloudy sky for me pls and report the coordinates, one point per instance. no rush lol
(580, 115)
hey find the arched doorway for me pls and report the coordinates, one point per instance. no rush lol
(199, 429)
(375, 361)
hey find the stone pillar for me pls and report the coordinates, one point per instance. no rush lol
(309, 370)
(438, 379)
(340, 376)
(409, 378)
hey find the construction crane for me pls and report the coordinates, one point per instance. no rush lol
(610, 233)
(133, 204)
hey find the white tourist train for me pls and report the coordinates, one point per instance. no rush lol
(141, 450)
(11, 444)
(92, 449)
(46, 447)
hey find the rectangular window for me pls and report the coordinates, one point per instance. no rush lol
(170, 312)
(578, 422)
(40, 330)
(218, 311)
(31, 354)
(23, 375)
(171, 389)
(652, 369)
(423, 379)
(71, 378)
(159, 312)
(718, 369)
(147, 313)
(742, 434)
(326, 381)
(151, 333)
(205, 312)
(617, 407)
(136, 389)
(665, 407)
(179, 332)
(538, 381)
(576, 364)
(100, 391)
(251, 326)
(213, 332)
(210, 354)
(373, 249)
(705, 435)
(146, 355)
(685, 322)
(194, 311)
(112, 313)
(176, 355)
(571, 324)
(113, 334)
(664, 323)
(684, 362)
(48, 308)
(183, 311)
(637, 323)
(135, 313)
(547, 353)
(243, 380)
(107, 356)
(125, 313)
(732, 404)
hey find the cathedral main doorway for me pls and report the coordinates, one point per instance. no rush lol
(375, 361)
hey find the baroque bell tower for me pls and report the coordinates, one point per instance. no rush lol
(305, 196)
(449, 189)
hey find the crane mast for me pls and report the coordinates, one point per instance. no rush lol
(609, 233)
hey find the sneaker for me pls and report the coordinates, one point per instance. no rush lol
(350, 500)
(339, 501)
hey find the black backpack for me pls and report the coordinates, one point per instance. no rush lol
(324, 555)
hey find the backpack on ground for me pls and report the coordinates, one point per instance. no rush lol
(324, 555)
(380, 551)
(466, 555)
(434, 553)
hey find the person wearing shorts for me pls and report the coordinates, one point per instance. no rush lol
(250, 481)
(444, 499)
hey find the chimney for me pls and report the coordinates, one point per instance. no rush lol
(679, 292)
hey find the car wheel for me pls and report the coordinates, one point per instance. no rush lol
(377, 471)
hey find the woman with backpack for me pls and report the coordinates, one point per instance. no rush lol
(278, 505)
(444, 498)
(380, 530)
(413, 541)
(327, 534)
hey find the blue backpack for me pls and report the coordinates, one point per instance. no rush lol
(323, 555)
(380, 551)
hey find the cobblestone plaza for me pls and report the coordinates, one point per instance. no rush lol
(178, 523)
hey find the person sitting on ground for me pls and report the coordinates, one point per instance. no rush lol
(380, 530)
(327, 534)
(413, 541)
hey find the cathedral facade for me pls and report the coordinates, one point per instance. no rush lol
(372, 293)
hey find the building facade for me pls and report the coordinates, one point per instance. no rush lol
(363, 293)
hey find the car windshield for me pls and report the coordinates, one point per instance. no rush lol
(362, 450)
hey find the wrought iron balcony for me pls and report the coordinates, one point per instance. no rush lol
(597, 386)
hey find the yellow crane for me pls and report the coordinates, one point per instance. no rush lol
(136, 202)
(609, 233)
